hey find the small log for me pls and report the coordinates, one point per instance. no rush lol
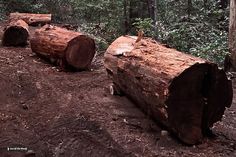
(16, 34)
(31, 19)
(68, 48)
(184, 93)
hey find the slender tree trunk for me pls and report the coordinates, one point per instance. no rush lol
(205, 4)
(149, 7)
(143, 6)
(126, 25)
(232, 34)
(155, 18)
(189, 8)
(152, 10)
(189, 12)
(130, 11)
(223, 4)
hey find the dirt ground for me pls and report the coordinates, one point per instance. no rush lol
(66, 114)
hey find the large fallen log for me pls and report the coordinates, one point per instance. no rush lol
(31, 19)
(15, 34)
(184, 93)
(68, 48)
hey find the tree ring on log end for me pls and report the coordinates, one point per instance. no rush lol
(15, 36)
(80, 52)
(195, 98)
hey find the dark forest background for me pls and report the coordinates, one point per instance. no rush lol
(198, 27)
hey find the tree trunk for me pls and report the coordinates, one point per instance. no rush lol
(184, 93)
(205, 4)
(16, 34)
(31, 19)
(232, 35)
(152, 10)
(126, 24)
(70, 49)
(189, 8)
(155, 18)
(223, 4)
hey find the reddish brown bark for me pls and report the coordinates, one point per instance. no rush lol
(184, 93)
(31, 19)
(15, 34)
(67, 47)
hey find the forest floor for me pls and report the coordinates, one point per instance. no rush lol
(72, 114)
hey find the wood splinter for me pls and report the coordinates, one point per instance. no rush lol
(140, 36)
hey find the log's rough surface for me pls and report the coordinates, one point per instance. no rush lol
(31, 19)
(184, 93)
(16, 34)
(67, 47)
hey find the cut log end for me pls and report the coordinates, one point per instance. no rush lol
(16, 34)
(195, 101)
(80, 56)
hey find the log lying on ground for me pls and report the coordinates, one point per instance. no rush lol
(184, 93)
(16, 34)
(31, 19)
(70, 49)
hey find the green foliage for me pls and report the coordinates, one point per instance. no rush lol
(144, 25)
(213, 47)
(203, 33)
(198, 28)
(2, 13)
(22, 6)
(96, 33)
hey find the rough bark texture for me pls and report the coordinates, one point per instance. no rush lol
(184, 93)
(68, 48)
(31, 19)
(16, 34)
(232, 35)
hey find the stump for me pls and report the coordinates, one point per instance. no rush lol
(186, 94)
(31, 19)
(16, 34)
(67, 48)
